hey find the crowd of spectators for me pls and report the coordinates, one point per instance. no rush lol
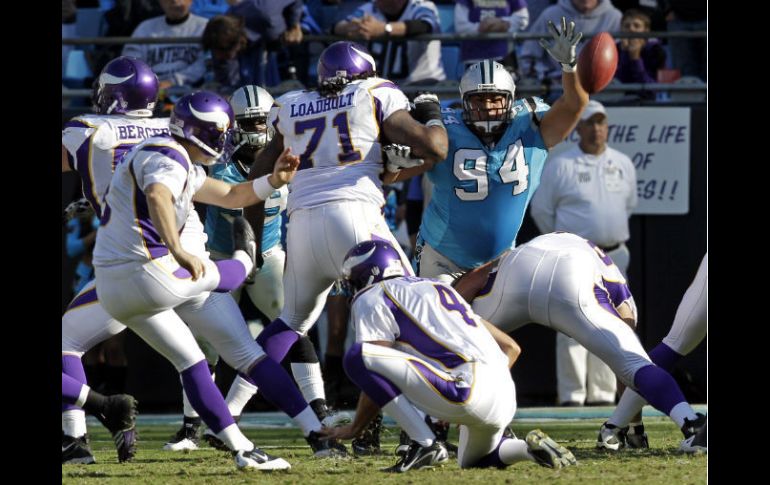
(262, 41)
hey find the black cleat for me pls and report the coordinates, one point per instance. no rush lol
(75, 451)
(119, 417)
(324, 447)
(611, 437)
(636, 437)
(369, 443)
(690, 427)
(211, 438)
(245, 240)
(697, 442)
(440, 430)
(418, 456)
(185, 439)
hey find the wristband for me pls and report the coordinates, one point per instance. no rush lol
(262, 187)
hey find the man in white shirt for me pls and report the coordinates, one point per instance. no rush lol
(589, 190)
(175, 64)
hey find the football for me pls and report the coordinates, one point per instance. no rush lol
(597, 62)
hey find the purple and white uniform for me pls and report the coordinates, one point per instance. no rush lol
(335, 197)
(567, 283)
(140, 283)
(443, 360)
(95, 146)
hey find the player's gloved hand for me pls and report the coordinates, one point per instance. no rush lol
(426, 109)
(78, 208)
(563, 48)
(398, 157)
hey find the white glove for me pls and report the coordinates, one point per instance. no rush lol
(563, 48)
(398, 157)
(426, 98)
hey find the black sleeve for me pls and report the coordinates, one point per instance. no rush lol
(417, 27)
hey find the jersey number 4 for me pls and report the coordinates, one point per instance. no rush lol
(513, 170)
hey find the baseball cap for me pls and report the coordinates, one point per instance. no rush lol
(591, 109)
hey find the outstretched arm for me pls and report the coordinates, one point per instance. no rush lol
(262, 165)
(563, 116)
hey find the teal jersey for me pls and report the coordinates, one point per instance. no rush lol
(219, 221)
(480, 194)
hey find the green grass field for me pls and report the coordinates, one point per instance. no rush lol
(661, 464)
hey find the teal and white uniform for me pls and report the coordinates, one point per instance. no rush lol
(480, 193)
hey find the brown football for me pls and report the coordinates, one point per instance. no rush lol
(597, 62)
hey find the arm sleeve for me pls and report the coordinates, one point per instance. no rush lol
(75, 133)
(391, 98)
(158, 169)
(428, 14)
(373, 320)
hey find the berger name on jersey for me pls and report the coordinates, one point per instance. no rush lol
(131, 132)
(321, 105)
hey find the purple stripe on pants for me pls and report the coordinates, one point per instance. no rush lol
(277, 386)
(232, 273)
(72, 366)
(448, 389)
(664, 356)
(380, 389)
(205, 398)
(658, 388)
(276, 339)
(619, 292)
(87, 297)
(70, 389)
(603, 297)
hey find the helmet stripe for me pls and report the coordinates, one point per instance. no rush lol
(491, 67)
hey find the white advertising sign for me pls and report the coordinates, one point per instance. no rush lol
(658, 142)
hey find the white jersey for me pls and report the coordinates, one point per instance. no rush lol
(96, 143)
(338, 141)
(427, 319)
(127, 232)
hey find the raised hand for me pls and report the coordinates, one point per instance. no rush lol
(563, 49)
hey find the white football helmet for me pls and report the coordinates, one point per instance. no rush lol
(491, 77)
(251, 103)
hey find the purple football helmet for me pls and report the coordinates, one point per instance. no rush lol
(343, 62)
(126, 85)
(370, 262)
(206, 119)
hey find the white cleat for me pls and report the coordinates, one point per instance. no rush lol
(259, 460)
(547, 452)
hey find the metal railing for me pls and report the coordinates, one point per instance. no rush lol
(444, 87)
(449, 37)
